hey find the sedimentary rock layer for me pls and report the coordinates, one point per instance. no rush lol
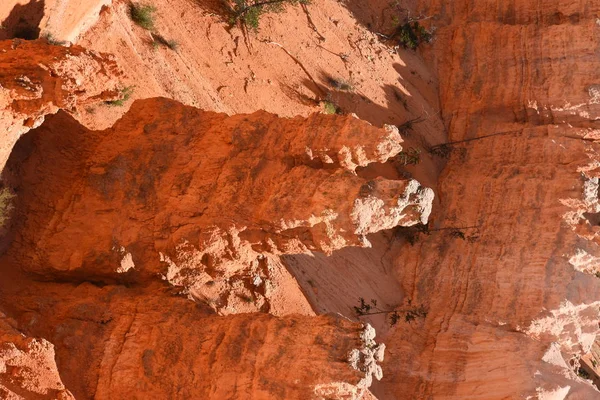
(509, 314)
(199, 197)
(37, 79)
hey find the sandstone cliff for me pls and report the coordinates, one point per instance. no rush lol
(511, 312)
(118, 224)
(127, 243)
(37, 79)
(201, 198)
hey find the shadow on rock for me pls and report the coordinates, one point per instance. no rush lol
(23, 22)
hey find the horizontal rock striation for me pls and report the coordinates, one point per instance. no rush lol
(512, 310)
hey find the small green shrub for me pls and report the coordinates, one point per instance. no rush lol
(329, 107)
(411, 34)
(125, 94)
(582, 373)
(142, 15)
(248, 12)
(410, 156)
(6, 205)
(53, 41)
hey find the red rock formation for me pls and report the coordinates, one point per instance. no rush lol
(27, 366)
(37, 79)
(199, 197)
(211, 205)
(204, 201)
(508, 312)
(142, 341)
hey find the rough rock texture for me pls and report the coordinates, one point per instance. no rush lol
(27, 366)
(37, 79)
(142, 341)
(286, 68)
(510, 312)
(198, 197)
(205, 201)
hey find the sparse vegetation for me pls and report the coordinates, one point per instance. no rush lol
(248, 12)
(441, 150)
(6, 205)
(407, 126)
(142, 15)
(411, 34)
(329, 107)
(399, 97)
(411, 233)
(444, 150)
(409, 314)
(582, 373)
(53, 41)
(246, 298)
(410, 156)
(124, 95)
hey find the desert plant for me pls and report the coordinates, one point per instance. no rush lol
(142, 15)
(402, 100)
(410, 313)
(412, 233)
(329, 107)
(410, 156)
(407, 126)
(246, 298)
(53, 41)
(442, 150)
(248, 12)
(460, 234)
(124, 95)
(411, 34)
(6, 205)
(582, 373)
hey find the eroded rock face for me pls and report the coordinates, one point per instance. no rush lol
(511, 312)
(199, 197)
(142, 341)
(37, 79)
(27, 366)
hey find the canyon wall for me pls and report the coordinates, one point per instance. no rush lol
(125, 243)
(181, 253)
(512, 309)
